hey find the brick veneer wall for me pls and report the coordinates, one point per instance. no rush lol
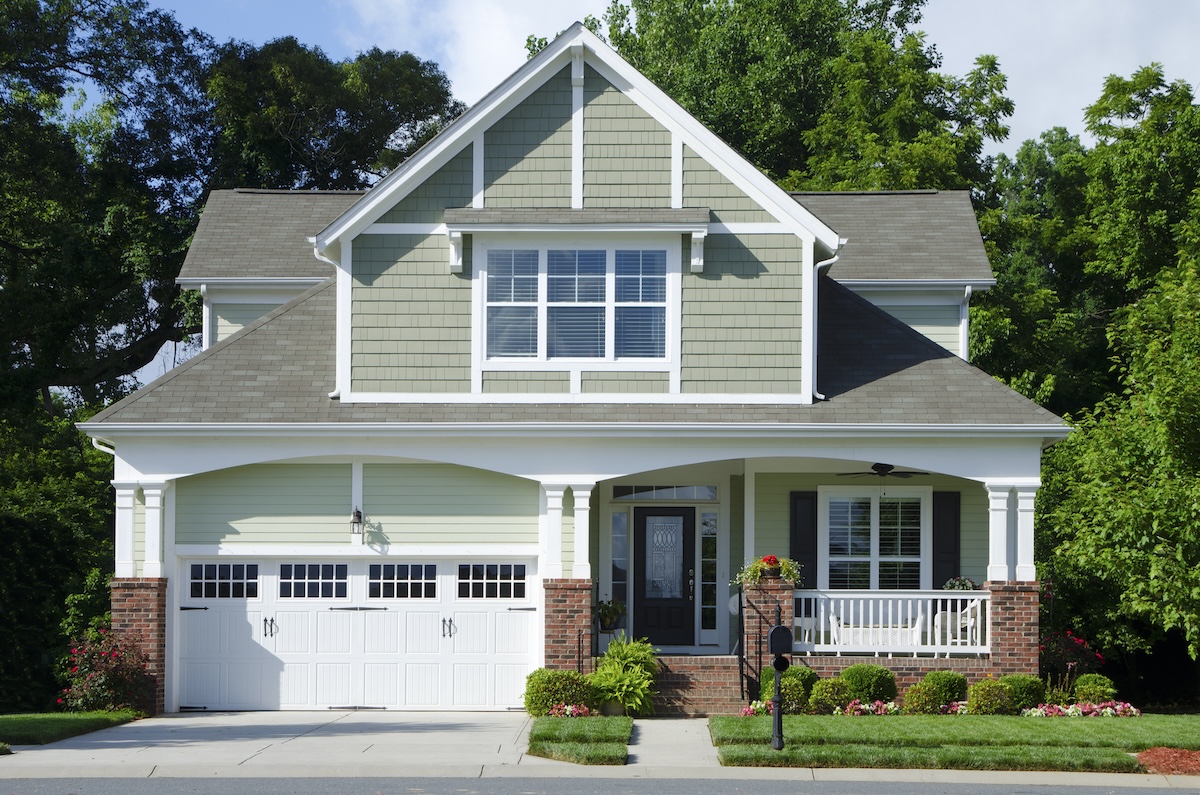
(139, 616)
(698, 686)
(568, 624)
(1013, 623)
(762, 604)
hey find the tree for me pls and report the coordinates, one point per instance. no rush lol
(289, 117)
(1120, 514)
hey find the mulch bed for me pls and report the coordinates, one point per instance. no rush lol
(1170, 761)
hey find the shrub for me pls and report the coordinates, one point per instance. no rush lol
(1094, 689)
(626, 674)
(546, 687)
(795, 686)
(923, 698)
(828, 695)
(870, 683)
(989, 697)
(951, 686)
(1025, 691)
(103, 673)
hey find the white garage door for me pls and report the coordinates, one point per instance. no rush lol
(280, 634)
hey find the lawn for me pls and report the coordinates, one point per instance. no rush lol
(584, 741)
(41, 728)
(976, 742)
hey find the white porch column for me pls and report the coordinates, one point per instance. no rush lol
(1026, 570)
(582, 570)
(126, 499)
(998, 570)
(551, 545)
(152, 566)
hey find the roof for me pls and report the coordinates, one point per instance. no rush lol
(872, 368)
(897, 235)
(262, 234)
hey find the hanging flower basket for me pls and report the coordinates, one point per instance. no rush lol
(608, 614)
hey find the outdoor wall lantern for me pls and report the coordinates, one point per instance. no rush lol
(356, 522)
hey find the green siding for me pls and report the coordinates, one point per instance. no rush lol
(523, 382)
(704, 186)
(527, 154)
(741, 318)
(229, 319)
(411, 318)
(265, 503)
(938, 323)
(626, 153)
(631, 383)
(451, 186)
(446, 504)
(772, 513)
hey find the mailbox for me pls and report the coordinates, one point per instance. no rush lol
(780, 640)
(781, 663)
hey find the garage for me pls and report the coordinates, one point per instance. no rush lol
(263, 634)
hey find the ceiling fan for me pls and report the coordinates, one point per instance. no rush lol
(883, 471)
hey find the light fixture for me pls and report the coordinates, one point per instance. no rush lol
(356, 522)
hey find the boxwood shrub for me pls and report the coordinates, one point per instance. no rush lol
(795, 686)
(828, 694)
(870, 683)
(1025, 691)
(546, 687)
(988, 697)
(1094, 689)
(951, 686)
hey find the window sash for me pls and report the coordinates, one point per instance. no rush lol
(873, 541)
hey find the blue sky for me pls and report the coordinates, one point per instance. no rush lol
(1055, 53)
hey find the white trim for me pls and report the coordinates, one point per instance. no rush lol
(526, 551)
(345, 304)
(808, 328)
(477, 171)
(874, 493)
(749, 534)
(456, 249)
(208, 325)
(405, 229)
(478, 315)
(952, 285)
(676, 172)
(126, 500)
(998, 494)
(303, 283)
(577, 125)
(964, 325)
(356, 502)
(581, 565)
(551, 527)
(152, 565)
(1026, 570)
(697, 264)
(584, 228)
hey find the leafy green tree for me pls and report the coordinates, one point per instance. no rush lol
(289, 117)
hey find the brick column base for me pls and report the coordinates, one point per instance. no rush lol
(569, 624)
(761, 603)
(139, 617)
(1013, 627)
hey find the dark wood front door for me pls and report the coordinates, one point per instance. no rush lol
(664, 586)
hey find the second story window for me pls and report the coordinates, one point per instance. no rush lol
(581, 304)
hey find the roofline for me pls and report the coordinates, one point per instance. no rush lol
(883, 284)
(196, 283)
(451, 140)
(104, 430)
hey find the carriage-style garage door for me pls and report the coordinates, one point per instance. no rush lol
(297, 634)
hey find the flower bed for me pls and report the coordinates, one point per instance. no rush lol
(1107, 709)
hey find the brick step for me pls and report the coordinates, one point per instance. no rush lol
(698, 686)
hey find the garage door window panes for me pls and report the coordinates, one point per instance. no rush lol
(224, 581)
(402, 581)
(491, 581)
(312, 581)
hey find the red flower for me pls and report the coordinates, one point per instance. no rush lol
(770, 560)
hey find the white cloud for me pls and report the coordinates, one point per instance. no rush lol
(477, 43)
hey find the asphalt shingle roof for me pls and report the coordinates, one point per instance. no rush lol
(903, 234)
(872, 368)
(262, 234)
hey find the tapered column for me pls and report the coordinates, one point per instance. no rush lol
(582, 568)
(152, 566)
(1026, 497)
(552, 529)
(125, 566)
(998, 568)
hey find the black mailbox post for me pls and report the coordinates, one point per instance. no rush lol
(779, 643)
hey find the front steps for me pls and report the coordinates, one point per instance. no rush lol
(698, 686)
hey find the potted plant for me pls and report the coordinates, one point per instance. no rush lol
(767, 567)
(960, 584)
(609, 614)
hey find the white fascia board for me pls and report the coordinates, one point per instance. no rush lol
(543, 228)
(252, 284)
(355, 550)
(903, 285)
(112, 432)
(462, 131)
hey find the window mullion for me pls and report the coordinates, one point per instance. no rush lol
(542, 301)
(610, 302)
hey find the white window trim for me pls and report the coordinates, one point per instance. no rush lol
(671, 242)
(827, 493)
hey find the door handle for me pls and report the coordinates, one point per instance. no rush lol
(443, 627)
(266, 627)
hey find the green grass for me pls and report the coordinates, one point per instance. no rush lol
(969, 742)
(584, 741)
(41, 728)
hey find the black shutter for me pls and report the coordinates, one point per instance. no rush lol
(945, 536)
(804, 536)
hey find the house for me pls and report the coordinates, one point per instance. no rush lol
(575, 348)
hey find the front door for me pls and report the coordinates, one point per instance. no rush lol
(664, 590)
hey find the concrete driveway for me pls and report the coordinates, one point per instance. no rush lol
(287, 744)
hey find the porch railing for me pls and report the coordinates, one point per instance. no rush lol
(889, 623)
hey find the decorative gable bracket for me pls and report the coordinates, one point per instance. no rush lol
(456, 250)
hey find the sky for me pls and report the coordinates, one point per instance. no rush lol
(1055, 53)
